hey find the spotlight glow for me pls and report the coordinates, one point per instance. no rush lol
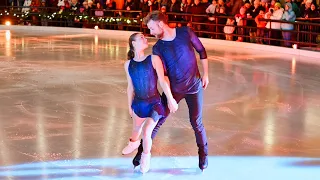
(8, 23)
(295, 46)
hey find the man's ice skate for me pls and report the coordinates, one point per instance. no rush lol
(203, 156)
(145, 162)
(130, 147)
(203, 162)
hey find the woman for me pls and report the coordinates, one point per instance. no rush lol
(144, 100)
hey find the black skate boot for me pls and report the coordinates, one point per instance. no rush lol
(203, 157)
(136, 159)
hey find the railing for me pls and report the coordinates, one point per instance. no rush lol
(48, 16)
(304, 34)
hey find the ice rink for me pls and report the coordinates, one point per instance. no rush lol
(63, 113)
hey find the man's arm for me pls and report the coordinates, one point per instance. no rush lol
(196, 43)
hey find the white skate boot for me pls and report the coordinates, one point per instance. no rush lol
(131, 147)
(145, 162)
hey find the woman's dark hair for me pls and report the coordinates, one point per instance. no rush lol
(131, 50)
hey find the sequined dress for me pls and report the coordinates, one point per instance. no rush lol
(147, 101)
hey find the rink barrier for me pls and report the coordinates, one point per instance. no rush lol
(304, 35)
(208, 43)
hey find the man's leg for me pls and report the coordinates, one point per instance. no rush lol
(195, 105)
(136, 159)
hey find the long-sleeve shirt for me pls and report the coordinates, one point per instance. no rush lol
(180, 61)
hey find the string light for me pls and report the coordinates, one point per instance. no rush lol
(106, 20)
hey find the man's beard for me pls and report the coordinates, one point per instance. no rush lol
(159, 36)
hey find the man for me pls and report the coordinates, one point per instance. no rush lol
(175, 48)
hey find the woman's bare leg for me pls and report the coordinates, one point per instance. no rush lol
(147, 141)
(134, 141)
(136, 127)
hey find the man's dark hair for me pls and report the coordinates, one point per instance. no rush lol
(155, 16)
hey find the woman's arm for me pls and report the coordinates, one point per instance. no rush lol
(130, 91)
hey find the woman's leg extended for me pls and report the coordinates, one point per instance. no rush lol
(134, 141)
(137, 125)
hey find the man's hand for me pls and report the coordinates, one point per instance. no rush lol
(205, 81)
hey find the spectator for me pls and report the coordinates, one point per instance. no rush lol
(211, 11)
(253, 12)
(236, 6)
(85, 10)
(205, 3)
(110, 5)
(74, 7)
(264, 4)
(295, 8)
(272, 4)
(255, 9)
(261, 25)
(274, 14)
(26, 5)
(155, 5)
(183, 6)
(312, 13)
(173, 7)
(289, 16)
(164, 3)
(187, 10)
(164, 10)
(129, 5)
(52, 3)
(145, 7)
(229, 29)
(305, 7)
(221, 21)
(221, 4)
(98, 11)
(198, 9)
(212, 8)
(91, 5)
(241, 21)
